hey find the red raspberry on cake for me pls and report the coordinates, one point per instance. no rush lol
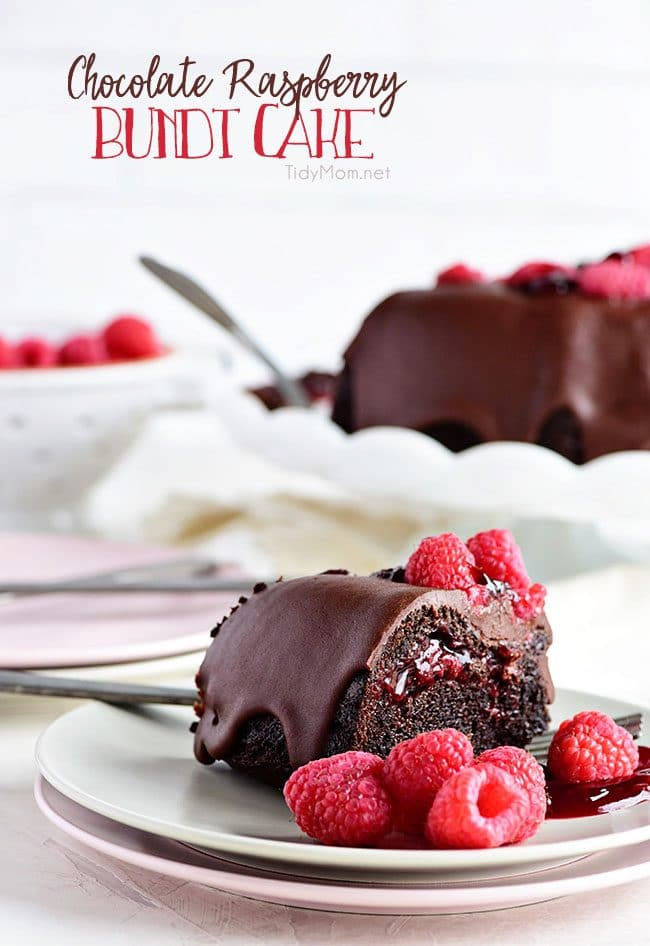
(341, 799)
(640, 255)
(442, 561)
(615, 279)
(458, 275)
(480, 806)
(591, 747)
(415, 770)
(529, 774)
(7, 354)
(534, 272)
(529, 603)
(129, 337)
(35, 353)
(497, 555)
(82, 350)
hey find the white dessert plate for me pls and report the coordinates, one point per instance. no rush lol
(90, 630)
(136, 767)
(168, 857)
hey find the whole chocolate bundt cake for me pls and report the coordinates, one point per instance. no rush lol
(551, 355)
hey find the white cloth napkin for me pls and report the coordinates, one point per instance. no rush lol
(185, 480)
(189, 477)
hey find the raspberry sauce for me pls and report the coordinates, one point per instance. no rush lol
(598, 798)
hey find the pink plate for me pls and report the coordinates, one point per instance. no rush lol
(90, 630)
(173, 859)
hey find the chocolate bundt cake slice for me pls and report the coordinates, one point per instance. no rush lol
(319, 665)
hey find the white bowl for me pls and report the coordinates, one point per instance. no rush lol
(61, 428)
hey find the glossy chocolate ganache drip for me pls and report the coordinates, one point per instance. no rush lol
(292, 649)
(484, 362)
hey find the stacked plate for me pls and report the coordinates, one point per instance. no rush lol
(97, 632)
(124, 783)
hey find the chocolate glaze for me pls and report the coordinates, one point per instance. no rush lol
(293, 648)
(500, 364)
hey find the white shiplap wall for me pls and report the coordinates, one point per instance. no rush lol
(522, 132)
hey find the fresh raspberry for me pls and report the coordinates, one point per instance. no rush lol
(340, 799)
(499, 557)
(480, 806)
(640, 255)
(458, 275)
(590, 747)
(415, 770)
(479, 596)
(35, 353)
(442, 561)
(529, 774)
(129, 337)
(529, 603)
(535, 272)
(82, 350)
(615, 279)
(7, 354)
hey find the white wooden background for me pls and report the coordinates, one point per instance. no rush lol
(522, 132)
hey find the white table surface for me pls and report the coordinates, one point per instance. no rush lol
(55, 891)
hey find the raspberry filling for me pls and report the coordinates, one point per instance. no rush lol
(434, 658)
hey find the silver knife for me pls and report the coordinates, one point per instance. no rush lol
(25, 682)
(29, 588)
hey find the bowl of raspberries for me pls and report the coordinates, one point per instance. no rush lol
(70, 403)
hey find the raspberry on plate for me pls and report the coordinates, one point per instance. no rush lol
(35, 353)
(480, 806)
(129, 337)
(615, 279)
(529, 774)
(459, 274)
(341, 799)
(591, 747)
(82, 350)
(415, 770)
(442, 561)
